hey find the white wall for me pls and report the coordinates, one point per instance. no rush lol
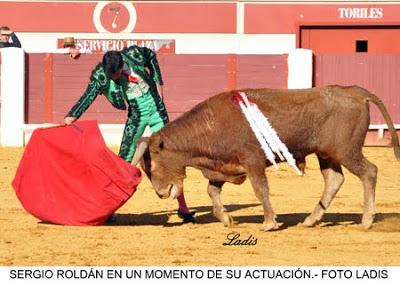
(300, 69)
(12, 96)
(185, 43)
(236, 44)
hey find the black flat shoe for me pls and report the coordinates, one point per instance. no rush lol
(187, 217)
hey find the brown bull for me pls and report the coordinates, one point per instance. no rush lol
(215, 137)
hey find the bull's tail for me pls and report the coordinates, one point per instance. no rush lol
(395, 140)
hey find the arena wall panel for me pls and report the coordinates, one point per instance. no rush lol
(34, 91)
(256, 71)
(378, 73)
(188, 80)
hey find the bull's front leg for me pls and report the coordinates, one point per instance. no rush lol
(214, 191)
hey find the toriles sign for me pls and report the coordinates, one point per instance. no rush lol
(360, 13)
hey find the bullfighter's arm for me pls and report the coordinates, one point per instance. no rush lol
(96, 86)
(152, 65)
(16, 43)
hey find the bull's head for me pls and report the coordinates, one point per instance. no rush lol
(162, 165)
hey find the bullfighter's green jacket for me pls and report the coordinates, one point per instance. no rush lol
(145, 106)
(139, 59)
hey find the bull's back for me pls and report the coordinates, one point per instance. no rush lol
(304, 119)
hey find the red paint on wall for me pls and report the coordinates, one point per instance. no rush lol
(232, 67)
(48, 88)
(34, 88)
(48, 16)
(77, 17)
(270, 18)
(262, 71)
(189, 17)
(190, 79)
(186, 17)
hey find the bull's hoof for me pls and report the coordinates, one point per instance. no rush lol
(269, 226)
(227, 220)
(309, 222)
(367, 221)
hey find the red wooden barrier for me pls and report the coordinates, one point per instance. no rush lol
(55, 82)
(34, 88)
(378, 73)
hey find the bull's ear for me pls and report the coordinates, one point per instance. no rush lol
(157, 142)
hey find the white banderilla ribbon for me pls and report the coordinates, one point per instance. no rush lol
(266, 134)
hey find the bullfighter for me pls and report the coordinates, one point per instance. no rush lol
(130, 79)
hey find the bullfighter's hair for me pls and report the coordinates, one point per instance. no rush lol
(112, 62)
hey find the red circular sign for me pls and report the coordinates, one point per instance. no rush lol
(114, 17)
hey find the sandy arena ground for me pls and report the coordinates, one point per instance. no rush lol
(148, 231)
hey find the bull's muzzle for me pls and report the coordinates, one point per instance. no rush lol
(164, 194)
(170, 191)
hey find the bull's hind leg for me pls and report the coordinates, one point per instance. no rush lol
(260, 185)
(214, 191)
(367, 172)
(333, 177)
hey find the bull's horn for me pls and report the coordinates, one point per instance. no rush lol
(141, 148)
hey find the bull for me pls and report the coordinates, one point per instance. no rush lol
(214, 137)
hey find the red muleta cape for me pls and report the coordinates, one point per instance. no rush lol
(68, 176)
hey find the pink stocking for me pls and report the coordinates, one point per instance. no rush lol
(182, 204)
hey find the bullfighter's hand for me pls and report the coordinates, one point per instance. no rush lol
(69, 120)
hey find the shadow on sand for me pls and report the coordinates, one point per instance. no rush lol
(389, 222)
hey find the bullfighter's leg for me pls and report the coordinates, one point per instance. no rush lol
(367, 172)
(134, 129)
(214, 191)
(333, 177)
(260, 185)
